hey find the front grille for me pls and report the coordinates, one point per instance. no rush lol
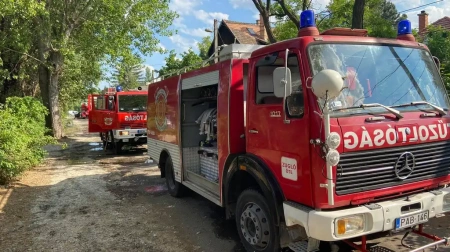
(369, 170)
(132, 125)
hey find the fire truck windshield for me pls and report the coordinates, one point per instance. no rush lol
(132, 103)
(383, 74)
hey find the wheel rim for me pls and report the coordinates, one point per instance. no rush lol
(170, 178)
(255, 225)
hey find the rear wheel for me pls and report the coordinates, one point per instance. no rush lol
(256, 223)
(175, 188)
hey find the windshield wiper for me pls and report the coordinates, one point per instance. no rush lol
(374, 105)
(438, 109)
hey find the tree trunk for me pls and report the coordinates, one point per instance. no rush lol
(264, 10)
(48, 84)
(306, 4)
(44, 78)
(56, 60)
(269, 31)
(358, 14)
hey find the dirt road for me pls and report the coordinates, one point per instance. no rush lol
(83, 199)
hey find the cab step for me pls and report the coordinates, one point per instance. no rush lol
(312, 245)
(301, 246)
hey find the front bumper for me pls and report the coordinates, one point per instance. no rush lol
(130, 135)
(378, 217)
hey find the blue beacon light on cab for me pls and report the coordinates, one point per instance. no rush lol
(404, 27)
(307, 19)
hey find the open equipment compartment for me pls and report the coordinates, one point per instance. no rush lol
(199, 131)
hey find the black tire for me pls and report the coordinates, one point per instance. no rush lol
(115, 146)
(118, 147)
(256, 223)
(175, 188)
(108, 141)
(104, 141)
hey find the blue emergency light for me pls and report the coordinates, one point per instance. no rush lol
(119, 88)
(404, 27)
(307, 19)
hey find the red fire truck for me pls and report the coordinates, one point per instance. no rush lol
(120, 117)
(324, 137)
(84, 111)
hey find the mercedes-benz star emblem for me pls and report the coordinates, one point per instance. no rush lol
(405, 165)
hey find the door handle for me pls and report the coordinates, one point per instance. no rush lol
(253, 131)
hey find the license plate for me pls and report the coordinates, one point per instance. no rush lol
(411, 220)
(125, 140)
(141, 131)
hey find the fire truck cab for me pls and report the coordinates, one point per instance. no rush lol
(325, 137)
(120, 117)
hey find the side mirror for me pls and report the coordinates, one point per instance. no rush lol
(438, 63)
(282, 84)
(327, 83)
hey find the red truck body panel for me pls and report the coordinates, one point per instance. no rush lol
(163, 109)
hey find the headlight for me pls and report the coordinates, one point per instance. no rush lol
(333, 157)
(446, 203)
(123, 133)
(333, 140)
(349, 225)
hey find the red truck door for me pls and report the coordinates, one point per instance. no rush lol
(284, 147)
(102, 118)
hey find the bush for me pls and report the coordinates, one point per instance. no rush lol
(22, 136)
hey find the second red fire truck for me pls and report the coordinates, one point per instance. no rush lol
(324, 137)
(120, 117)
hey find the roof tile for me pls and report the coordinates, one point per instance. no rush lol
(243, 36)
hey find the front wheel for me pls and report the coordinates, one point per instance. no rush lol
(175, 188)
(118, 148)
(255, 223)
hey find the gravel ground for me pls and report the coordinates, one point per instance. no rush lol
(83, 199)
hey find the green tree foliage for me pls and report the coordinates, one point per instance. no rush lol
(22, 136)
(189, 60)
(203, 47)
(17, 66)
(48, 32)
(380, 18)
(128, 75)
(285, 30)
(148, 75)
(288, 22)
(79, 78)
(438, 41)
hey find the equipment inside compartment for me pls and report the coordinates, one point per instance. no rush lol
(199, 131)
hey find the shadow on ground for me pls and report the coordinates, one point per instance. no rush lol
(85, 199)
